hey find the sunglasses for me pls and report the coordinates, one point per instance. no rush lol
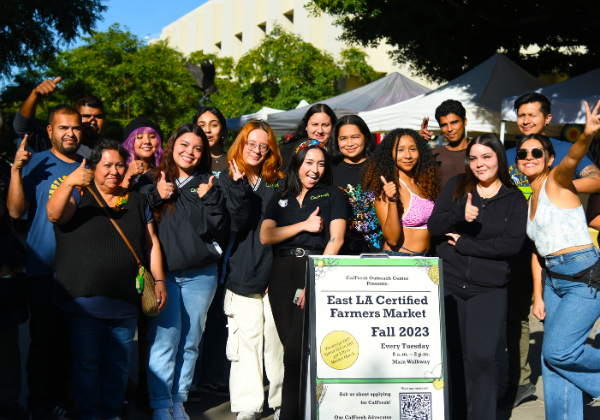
(536, 153)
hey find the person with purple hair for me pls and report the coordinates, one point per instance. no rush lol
(143, 140)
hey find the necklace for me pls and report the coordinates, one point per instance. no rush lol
(490, 191)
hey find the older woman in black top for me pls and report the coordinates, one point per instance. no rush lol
(307, 218)
(95, 276)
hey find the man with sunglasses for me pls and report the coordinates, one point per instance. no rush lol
(533, 116)
(89, 107)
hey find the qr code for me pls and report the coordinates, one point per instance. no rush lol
(415, 406)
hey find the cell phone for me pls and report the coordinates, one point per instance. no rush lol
(297, 296)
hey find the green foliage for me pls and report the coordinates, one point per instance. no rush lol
(35, 28)
(442, 40)
(354, 62)
(134, 79)
(280, 72)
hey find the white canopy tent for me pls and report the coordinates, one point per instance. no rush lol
(236, 124)
(567, 99)
(388, 90)
(480, 90)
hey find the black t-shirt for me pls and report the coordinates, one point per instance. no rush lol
(363, 232)
(286, 211)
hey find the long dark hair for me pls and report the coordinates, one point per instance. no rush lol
(383, 163)
(334, 148)
(170, 168)
(293, 185)
(217, 113)
(466, 182)
(300, 132)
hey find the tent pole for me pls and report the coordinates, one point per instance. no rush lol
(502, 131)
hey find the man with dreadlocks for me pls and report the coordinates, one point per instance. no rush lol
(406, 181)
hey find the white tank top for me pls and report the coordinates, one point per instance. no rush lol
(553, 228)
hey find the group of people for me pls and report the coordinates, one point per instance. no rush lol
(226, 237)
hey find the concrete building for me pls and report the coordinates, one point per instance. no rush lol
(229, 28)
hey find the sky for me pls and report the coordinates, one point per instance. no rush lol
(145, 17)
(142, 17)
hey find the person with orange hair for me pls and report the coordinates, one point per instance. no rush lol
(254, 176)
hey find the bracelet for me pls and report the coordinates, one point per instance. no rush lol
(160, 280)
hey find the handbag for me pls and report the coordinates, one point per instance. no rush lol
(145, 283)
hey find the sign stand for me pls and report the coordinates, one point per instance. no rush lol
(374, 339)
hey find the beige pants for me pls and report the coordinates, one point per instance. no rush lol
(252, 336)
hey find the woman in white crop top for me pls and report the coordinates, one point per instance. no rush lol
(405, 178)
(558, 228)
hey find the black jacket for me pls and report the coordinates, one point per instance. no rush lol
(186, 235)
(481, 254)
(249, 264)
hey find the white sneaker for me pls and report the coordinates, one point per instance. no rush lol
(162, 414)
(248, 415)
(277, 413)
(178, 412)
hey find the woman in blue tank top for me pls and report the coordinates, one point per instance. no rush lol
(568, 304)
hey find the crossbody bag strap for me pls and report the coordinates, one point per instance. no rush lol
(115, 224)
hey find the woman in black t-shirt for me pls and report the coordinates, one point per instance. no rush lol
(351, 146)
(307, 218)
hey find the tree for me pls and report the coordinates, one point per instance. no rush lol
(280, 72)
(35, 28)
(440, 40)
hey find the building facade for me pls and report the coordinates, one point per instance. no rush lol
(230, 28)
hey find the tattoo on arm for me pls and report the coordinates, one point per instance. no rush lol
(590, 171)
(332, 240)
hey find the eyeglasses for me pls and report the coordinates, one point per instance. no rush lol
(536, 153)
(263, 148)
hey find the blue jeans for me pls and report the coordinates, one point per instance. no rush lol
(101, 350)
(569, 366)
(174, 335)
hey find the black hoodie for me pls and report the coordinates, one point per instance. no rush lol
(186, 234)
(480, 256)
(249, 264)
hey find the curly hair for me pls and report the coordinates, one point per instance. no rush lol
(383, 163)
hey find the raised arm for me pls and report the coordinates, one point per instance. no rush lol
(271, 234)
(16, 201)
(505, 245)
(564, 172)
(387, 213)
(62, 206)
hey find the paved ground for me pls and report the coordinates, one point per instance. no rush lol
(214, 408)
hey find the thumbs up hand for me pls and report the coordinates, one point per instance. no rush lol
(165, 189)
(314, 223)
(471, 212)
(203, 188)
(390, 189)
(80, 177)
(46, 87)
(23, 157)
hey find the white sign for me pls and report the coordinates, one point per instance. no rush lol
(376, 338)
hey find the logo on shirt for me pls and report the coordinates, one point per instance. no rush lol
(316, 197)
(273, 185)
(56, 184)
(283, 203)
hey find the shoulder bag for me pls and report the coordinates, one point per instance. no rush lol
(144, 281)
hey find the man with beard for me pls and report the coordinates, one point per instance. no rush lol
(33, 180)
(89, 107)
(451, 117)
